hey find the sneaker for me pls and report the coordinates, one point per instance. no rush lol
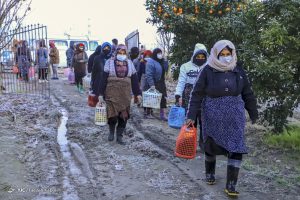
(53, 78)
(40, 81)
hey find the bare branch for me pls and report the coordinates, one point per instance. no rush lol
(12, 14)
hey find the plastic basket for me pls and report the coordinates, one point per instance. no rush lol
(186, 143)
(100, 114)
(151, 99)
(176, 117)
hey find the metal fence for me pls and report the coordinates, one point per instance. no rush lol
(19, 70)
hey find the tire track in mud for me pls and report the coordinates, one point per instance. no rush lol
(78, 181)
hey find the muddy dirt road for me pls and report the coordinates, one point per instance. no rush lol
(51, 149)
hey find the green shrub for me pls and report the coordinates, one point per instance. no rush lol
(289, 139)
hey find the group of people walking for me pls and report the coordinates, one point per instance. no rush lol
(213, 88)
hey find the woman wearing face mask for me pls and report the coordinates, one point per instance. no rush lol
(156, 69)
(119, 79)
(79, 63)
(223, 92)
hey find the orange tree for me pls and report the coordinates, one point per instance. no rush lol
(266, 35)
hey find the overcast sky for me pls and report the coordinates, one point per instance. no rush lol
(108, 18)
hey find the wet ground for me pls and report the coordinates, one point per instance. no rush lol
(51, 149)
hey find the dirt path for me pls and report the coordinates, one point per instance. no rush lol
(52, 150)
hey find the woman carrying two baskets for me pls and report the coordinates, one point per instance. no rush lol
(119, 79)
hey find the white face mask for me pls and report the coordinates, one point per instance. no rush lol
(121, 57)
(225, 59)
(147, 59)
(159, 56)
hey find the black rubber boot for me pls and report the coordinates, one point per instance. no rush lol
(120, 136)
(111, 136)
(232, 177)
(210, 168)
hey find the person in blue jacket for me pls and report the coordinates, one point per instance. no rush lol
(223, 92)
(156, 69)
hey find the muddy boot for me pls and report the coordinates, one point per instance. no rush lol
(232, 177)
(210, 167)
(111, 136)
(120, 136)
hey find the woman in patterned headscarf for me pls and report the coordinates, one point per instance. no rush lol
(119, 79)
(223, 91)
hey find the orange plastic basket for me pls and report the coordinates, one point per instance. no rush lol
(186, 143)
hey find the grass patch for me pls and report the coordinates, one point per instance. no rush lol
(289, 139)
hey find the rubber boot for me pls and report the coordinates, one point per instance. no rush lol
(163, 115)
(120, 136)
(111, 136)
(232, 177)
(210, 168)
(81, 89)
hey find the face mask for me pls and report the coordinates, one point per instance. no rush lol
(199, 62)
(106, 51)
(147, 59)
(225, 59)
(159, 56)
(121, 57)
(81, 48)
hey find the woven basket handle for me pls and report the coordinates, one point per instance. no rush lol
(154, 91)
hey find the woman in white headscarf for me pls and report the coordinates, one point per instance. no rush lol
(223, 92)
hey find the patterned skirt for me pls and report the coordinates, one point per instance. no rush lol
(223, 123)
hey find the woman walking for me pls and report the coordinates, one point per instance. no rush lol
(54, 60)
(79, 62)
(223, 91)
(142, 79)
(156, 69)
(42, 62)
(119, 79)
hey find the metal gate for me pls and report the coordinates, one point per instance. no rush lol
(20, 72)
(133, 40)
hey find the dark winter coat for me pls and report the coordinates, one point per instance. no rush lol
(69, 55)
(79, 62)
(98, 68)
(213, 83)
(92, 57)
(42, 58)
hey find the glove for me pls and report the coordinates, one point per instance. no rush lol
(152, 87)
(189, 122)
(101, 99)
(177, 97)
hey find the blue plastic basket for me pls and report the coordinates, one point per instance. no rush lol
(176, 117)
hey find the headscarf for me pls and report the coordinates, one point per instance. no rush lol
(213, 60)
(120, 47)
